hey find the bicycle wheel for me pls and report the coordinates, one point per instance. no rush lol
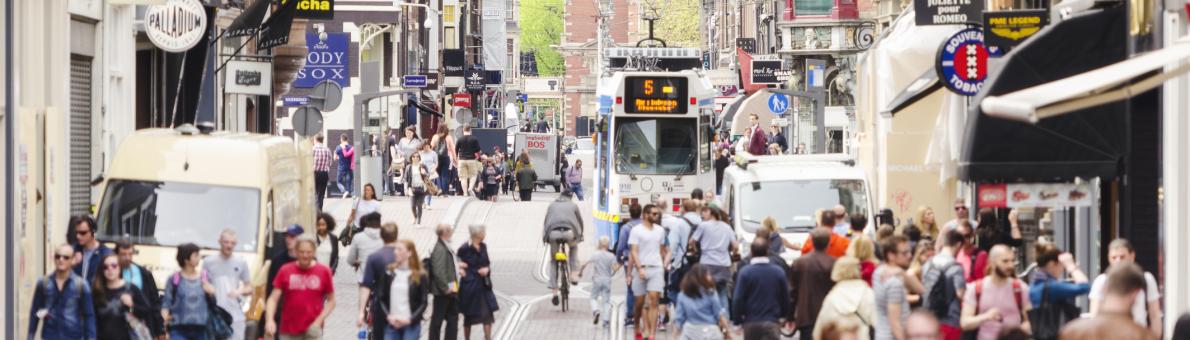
(564, 276)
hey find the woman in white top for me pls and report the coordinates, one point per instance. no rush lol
(403, 294)
(328, 245)
(399, 152)
(366, 204)
(417, 175)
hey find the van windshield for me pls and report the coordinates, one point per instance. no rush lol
(171, 213)
(792, 203)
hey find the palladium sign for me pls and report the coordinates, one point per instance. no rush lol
(176, 26)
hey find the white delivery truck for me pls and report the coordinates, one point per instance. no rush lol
(544, 155)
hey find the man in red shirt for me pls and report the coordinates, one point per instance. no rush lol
(308, 292)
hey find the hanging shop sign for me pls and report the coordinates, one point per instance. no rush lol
(326, 59)
(176, 26)
(765, 71)
(414, 80)
(275, 30)
(315, 9)
(1034, 195)
(948, 12)
(248, 77)
(475, 79)
(746, 44)
(461, 99)
(1003, 30)
(963, 62)
(453, 61)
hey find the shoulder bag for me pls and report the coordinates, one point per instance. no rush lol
(1048, 318)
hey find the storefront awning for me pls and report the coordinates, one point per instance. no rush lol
(1105, 85)
(921, 87)
(1088, 143)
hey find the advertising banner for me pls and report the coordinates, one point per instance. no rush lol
(765, 71)
(948, 12)
(325, 60)
(453, 60)
(1034, 195)
(1003, 30)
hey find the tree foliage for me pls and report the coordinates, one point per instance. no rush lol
(541, 30)
(679, 22)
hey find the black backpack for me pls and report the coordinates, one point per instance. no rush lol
(941, 294)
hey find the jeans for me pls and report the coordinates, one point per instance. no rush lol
(805, 333)
(188, 333)
(762, 331)
(577, 189)
(446, 308)
(630, 303)
(410, 332)
(320, 181)
(345, 180)
(419, 195)
(443, 180)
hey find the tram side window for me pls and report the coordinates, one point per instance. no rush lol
(706, 146)
(601, 152)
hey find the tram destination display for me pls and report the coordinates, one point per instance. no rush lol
(655, 95)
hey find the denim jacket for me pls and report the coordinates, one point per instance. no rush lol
(70, 313)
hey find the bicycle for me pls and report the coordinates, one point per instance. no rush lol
(562, 268)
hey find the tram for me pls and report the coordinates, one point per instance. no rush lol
(653, 137)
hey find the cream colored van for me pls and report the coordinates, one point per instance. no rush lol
(167, 187)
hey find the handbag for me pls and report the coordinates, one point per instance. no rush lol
(1048, 318)
(139, 330)
(351, 229)
(430, 186)
(218, 320)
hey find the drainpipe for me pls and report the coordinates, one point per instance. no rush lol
(9, 267)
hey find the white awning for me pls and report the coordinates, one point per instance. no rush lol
(1111, 83)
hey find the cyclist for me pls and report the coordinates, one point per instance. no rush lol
(563, 224)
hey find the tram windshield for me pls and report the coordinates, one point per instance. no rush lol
(656, 146)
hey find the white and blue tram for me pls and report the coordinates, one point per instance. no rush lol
(654, 136)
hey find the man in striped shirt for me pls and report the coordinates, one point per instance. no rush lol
(322, 168)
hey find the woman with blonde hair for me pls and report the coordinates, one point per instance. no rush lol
(926, 222)
(777, 244)
(921, 255)
(403, 295)
(864, 249)
(851, 299)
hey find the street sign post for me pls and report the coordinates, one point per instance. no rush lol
(414, 80)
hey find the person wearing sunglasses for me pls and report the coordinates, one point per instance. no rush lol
(62, 300)
(114, 300)
(961, 212)
(92, 252)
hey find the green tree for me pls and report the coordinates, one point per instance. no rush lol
(679, 22)
(541, 31)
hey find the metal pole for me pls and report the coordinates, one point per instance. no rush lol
(9, 267)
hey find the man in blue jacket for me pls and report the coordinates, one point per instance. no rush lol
(63, 300)
(634, 212)
(761, 296)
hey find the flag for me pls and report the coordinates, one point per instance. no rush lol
(275, 31)
(248, 23)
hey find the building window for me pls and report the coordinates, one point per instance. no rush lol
(813, 7)
(450, 37)
(448, 13)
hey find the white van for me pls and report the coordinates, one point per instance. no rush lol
(790, 189)
(167, 187)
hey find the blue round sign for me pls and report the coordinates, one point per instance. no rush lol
(778, 103)
(963, 62)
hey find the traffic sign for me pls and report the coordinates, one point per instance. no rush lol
(778, 103)
(417, 81)
(307, 121)
(326, 96)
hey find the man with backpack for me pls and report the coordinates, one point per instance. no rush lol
(945, 286)
(1146, 308)
(63, 300)
(996, 304)
(680, 228)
